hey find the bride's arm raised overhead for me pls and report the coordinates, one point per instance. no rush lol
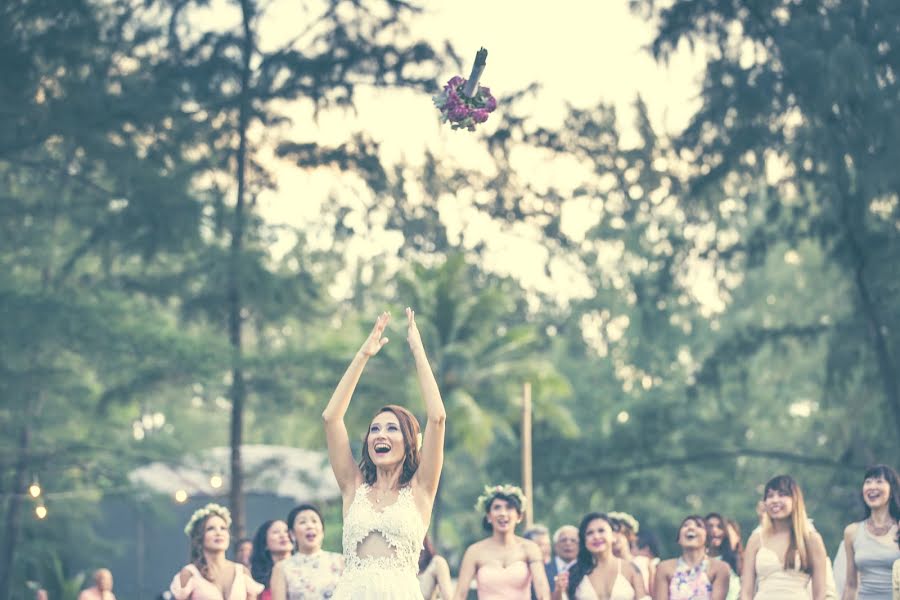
(340, 455)
(428, 474)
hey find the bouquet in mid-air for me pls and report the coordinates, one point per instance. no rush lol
(463, 102)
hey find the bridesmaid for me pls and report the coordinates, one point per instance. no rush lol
(504, 565)
(597, 572)
(210, 576)
(434, 573)
(271, 545)
(785, 554)
(311, 573)
(871, 544)
(693, 575)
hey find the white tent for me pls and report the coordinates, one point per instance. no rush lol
(303, 475)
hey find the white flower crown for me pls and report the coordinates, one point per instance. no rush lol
(202, 513)
(484, 500)
(625, 518)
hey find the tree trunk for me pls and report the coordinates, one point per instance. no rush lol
(886, 363)
(13, 526)
(235, 319)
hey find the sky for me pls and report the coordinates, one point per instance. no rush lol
(581, 52)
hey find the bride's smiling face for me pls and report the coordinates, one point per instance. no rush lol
(385, 440)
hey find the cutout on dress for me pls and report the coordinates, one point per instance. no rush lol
(375, 545)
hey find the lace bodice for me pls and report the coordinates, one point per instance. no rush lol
(399, 524)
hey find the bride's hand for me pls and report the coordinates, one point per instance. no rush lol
(375, 341)
(412, 332)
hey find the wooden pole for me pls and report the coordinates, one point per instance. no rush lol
(527, 485)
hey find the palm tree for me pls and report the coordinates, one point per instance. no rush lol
(482, 350)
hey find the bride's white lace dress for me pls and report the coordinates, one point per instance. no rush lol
(381, 549)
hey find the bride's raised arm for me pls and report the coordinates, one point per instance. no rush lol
(340, 455)
(428, 474)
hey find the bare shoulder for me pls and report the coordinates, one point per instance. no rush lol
(244, 569)
(667, 567)
(814, 539)
(753, 541)
(475, 550)
(185, 575)
(850, 530)
(719, 567)
(440, 563)
(631, 569)
(532, 550)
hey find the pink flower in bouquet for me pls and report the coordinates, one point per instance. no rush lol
(458, 113)
(490, 104)
(479, 115)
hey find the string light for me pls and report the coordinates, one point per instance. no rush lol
(216, 481)
(181, 496)
(35, 488)
(40, 511)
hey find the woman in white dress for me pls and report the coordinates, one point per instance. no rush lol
(597, 572)
(785, 554)
(388, 497)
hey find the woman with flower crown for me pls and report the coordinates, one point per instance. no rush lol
(505, 566)
(388, 497)
(209, 575)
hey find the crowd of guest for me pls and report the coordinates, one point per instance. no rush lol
(606, 556)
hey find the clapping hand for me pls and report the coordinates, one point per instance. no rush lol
(561, 582)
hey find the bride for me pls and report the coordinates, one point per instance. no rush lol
(389, 495)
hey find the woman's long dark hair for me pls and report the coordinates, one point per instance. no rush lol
(261, 562)
(584, 564)
(725, 551)
(890, 475)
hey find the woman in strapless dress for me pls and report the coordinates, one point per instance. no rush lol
(504, 566)
(597, 572)
(785, 555)
(209, 575)
(389, 496)
(434, 573)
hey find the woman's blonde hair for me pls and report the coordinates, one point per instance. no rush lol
(797, 556)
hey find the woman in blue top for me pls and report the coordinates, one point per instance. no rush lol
(871, 544)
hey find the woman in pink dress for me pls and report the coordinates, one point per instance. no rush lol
(209, 575)
(505, 566)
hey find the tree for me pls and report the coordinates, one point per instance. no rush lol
(801, 96)
(231, 84)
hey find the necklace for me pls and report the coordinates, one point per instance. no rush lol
(879, 530)
(379, 494)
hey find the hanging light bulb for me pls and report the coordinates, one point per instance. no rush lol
(216, 481)
(40, 511)
(181, 496)
(35, 488)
